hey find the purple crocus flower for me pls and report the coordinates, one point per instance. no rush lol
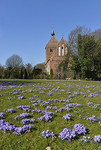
(2, 115)
(80, 129)
(97, 138)
(46, 134)
(11, 110)
(67, 117)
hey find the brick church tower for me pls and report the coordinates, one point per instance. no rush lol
(55, 54)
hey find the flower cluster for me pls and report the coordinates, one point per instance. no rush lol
(2, 115)
(73, 105)
(11, 110)
(45, 118)
(70, 96)
(22, 130)
(15, 93)
(54, 107)
(76, 93)
(35, 96)
(45, 102)
(41, 92)
(99, 123)
(67, 134)
(23, 115)
(93, 118)
(31, 98)
(20, 97)
(85, 139)
(63, 90)
(95, 107)
(47, 112)
(26, 108)
(89, 103)
(46, 134)
(67, 117)
(6, 126)
(30, 90)
(50, 107)
(50, 93)
(26, 121)
(10, 98)
(63, 108)
(54, 89)
(80, 129)
(51, 100)
(93, 95)
(97, 138)
(36, 110)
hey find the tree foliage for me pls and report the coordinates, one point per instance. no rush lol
(51, 74)
(29, 70)
(97, 59)
(1, 71)
(85, 54)
(83, 63)
(63, 68)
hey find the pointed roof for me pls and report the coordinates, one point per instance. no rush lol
(62, 41)
(53, 42)
(53, 33)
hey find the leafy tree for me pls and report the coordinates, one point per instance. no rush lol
(75, 66)
(8, 73)
(97, 59)
(21, 74)
(38, 73)
(83, 62)
(79, 44)
(64, 68)
(34, 73)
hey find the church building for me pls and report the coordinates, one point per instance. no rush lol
(55, 54)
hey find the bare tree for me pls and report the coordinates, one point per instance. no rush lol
(73, 37)
(15, 61)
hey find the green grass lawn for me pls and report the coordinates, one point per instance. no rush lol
(74, 91)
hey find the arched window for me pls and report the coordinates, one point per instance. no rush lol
(51, 50)
(62, 49)
(59, 51)
(65, 50)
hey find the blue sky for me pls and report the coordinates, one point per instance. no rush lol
(26, 25)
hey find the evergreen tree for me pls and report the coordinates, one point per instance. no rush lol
(83, 63)
(79, 44)
(25, 74)
(21, 73)
(34, 73)
(97, 59)
(51, 74)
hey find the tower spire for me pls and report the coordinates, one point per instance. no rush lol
(52, 32)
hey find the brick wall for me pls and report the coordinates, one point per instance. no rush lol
(52, 58)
